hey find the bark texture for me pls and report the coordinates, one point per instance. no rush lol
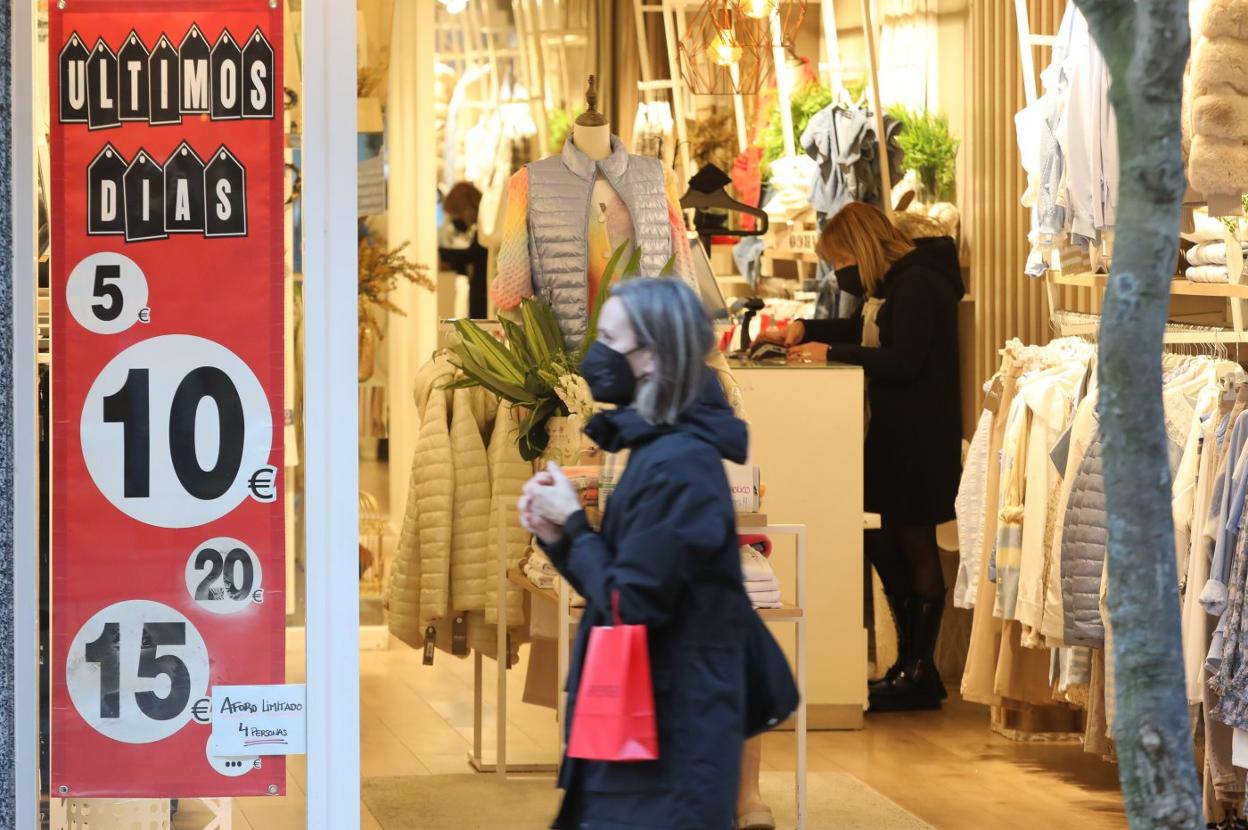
(1146, 44)
(8, 795)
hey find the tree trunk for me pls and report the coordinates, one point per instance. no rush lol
(1145, 44)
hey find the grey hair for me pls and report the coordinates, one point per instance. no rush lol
(670, 320)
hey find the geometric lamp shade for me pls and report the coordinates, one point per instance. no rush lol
(727, 47)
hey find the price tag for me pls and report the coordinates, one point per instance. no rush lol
(107, 293)
(176, 432)
(223, 576)
(134, 670)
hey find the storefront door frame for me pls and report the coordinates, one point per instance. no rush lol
(331, 432)
(330, 414)
(25, 392)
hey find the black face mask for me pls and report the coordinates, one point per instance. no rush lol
(459, 225)
(609, 374)
(850, 281)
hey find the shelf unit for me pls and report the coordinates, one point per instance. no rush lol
(1234, 292)
(788, 613)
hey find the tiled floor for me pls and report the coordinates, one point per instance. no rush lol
(946, 767)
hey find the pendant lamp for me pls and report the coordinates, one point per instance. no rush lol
(728, 45)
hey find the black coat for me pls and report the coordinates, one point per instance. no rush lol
(669, 547)
(913, 455)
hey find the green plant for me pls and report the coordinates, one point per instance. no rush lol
(1231, 223)
(530, 366)
(558, 126)
(805, 102)
(931, 151)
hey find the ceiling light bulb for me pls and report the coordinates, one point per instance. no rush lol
(757, 9)
(724, 49)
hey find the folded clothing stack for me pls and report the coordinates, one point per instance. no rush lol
(1207, 262)
(761, 584)
(541, 572)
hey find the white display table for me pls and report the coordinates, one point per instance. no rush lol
(806, 435)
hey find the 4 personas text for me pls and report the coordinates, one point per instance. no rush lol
(223, 80)
(144, 198)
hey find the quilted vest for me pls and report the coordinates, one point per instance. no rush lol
(560, 194)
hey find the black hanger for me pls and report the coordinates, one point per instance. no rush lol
(706, 191)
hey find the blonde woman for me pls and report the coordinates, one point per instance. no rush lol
(906, 340)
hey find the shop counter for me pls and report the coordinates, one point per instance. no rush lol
(806, 436)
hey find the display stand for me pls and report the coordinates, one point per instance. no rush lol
(788, 613)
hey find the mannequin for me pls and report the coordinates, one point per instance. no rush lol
(591, 132)
(568, 213)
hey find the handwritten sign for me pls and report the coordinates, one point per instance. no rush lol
(259, 720)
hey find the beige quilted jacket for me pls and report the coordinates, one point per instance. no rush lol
(420, 581)
(508, 474)
(470, 515)
(447, 552)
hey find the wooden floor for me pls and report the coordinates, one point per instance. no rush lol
(946, 767)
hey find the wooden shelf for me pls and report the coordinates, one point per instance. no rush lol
(520, 580)
(751, 520)
(1178, 286)
(786, 613)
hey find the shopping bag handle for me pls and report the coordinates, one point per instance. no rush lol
(615, 608)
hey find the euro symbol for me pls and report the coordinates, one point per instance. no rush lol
(256, 764)
(202, 710)
(257, 596)
(145, 315)
(263, 485)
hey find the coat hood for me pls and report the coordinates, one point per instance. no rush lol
(938, 254)
(710, 419)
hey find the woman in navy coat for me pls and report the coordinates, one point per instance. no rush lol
(668, 547)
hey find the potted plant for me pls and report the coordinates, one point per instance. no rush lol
(931, 152)
(531, 367)
(380, 269)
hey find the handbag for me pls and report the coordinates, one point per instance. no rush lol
(614, 718)
(771, 693)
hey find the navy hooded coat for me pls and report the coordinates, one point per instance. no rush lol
(668, 545)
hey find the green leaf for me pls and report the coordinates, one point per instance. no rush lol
(534, 437)
(633, 266)
(517, 342)
(930, 150)
(494, 356)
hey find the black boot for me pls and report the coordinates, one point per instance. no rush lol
(900, 606)
(918, 685)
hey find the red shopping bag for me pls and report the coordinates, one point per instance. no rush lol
(614, 716)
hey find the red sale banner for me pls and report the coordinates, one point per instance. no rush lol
(167, 357)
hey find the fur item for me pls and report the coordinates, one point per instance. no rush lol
(1226, 18)
(1219, 165)
(1221, 114)
(1220, 61)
